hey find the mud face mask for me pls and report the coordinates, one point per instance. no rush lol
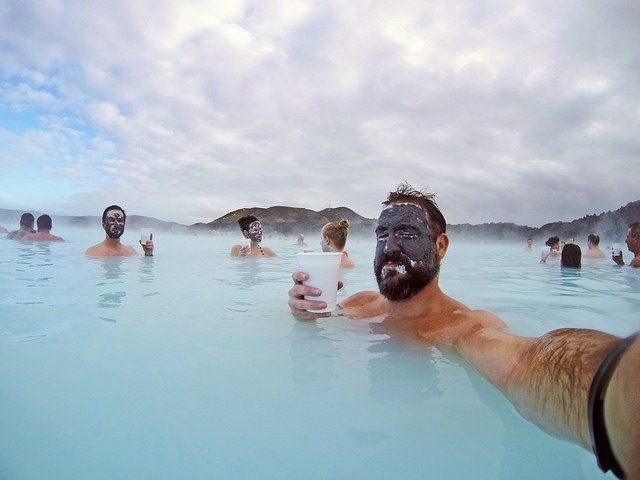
(406, 257)
(114, 224)
(255, 231)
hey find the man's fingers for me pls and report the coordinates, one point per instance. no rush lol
(301, 304)
(299, 277)
(298, 290)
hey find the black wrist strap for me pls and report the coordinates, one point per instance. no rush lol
(595, 409)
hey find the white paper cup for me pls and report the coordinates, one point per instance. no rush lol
(145, 235)
(323, 269)
(616, 249)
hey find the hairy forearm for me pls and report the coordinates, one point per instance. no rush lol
(550, 383)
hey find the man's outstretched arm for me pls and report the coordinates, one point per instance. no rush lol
(550, 383)
(548, 380)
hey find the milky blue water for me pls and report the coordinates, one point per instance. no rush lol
(189, 365)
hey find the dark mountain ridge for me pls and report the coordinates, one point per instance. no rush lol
(292, 220)
(611, 225)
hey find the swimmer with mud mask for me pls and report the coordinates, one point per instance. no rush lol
(113, 222)
(406, 259)
(251, 229)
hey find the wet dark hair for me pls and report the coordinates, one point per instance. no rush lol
(406, 193)
(571, 256)
(27, 220)
(552, 241)
(593, 238)
(113, 207)
(44, 222)
(245, 221)
(635, 228)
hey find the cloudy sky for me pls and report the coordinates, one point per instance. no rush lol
(525, 112)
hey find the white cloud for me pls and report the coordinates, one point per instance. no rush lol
(185, 110)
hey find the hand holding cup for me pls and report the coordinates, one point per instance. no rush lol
(616, 254)
(305, 298)
(146, 241)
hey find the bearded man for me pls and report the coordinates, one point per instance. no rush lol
(576, 383)
(113, 222)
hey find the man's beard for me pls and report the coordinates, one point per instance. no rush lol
(396, 286)
(111, 234)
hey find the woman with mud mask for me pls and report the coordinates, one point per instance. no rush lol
(551, 251)
(252, 230)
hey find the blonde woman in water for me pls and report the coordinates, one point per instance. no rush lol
(334, 237)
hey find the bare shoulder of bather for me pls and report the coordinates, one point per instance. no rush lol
(268, 252)
(363, 305)
(485, 342)
(101, 250)
(235, 250)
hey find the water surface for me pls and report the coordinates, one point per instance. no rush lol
(189, 365)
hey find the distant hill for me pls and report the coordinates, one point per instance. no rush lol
(291, 220)
(608, 225)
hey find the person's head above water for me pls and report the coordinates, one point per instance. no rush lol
(593, 239)
(633, 238)
(571, 256)
(334, 235)
(552, 242)
(113, 221)
(44, 223)
(411, 242)
(251, 228)
(26, 221)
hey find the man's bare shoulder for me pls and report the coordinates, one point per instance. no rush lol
(484, 341)
(39, 237)
(635, 262)
(128, 250)
(364, 304)
(101, 250)
(474, 321)
(361, 298)
(235, 250)
(16, 234)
